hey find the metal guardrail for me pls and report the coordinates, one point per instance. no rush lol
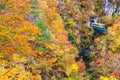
(99, 28)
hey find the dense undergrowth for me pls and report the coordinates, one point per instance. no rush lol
(40, 39)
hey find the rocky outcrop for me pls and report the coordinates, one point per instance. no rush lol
(111, 8)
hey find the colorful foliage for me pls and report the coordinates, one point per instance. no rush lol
(39, 40)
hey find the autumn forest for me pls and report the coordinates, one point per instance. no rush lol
(59, 39)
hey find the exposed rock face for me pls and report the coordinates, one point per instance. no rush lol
(111, 8)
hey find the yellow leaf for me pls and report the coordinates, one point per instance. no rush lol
(68, 1)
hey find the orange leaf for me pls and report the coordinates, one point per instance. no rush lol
(52, 60)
